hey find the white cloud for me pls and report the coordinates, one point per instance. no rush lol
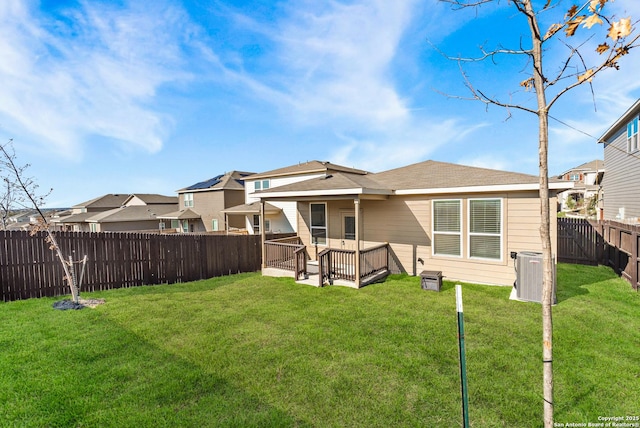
(91, 71)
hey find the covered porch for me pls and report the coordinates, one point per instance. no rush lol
(329, 247)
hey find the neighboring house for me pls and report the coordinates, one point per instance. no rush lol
(622, 157)
(139, 212)
(201, 205)
(462, 221)
(587, 184)
(77, 221)
(281, 215)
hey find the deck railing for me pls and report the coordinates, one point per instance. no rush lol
(374, 260)
(340, 264)
(287, 254)
(336, 264)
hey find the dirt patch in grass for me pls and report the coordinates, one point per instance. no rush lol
(66, 304)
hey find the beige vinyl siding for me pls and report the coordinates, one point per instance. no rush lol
(232, 198)
(405, 223)
(621, 187)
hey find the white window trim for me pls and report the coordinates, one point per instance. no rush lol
(326, 224)
(469, 233)
(634, 137)
(188, 200)
(261, 185)
(433, 232)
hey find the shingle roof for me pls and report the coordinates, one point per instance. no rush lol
(185, 214)
(423, 177)
(307, 168)
(433, 175)
(233, 180)
(132, 213)
(152, 198)
(335, 181)
(106, 201)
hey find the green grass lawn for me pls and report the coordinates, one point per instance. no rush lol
(247, 350)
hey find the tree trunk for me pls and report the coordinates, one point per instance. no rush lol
(545, 214)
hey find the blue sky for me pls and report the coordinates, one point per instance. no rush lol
(151, 96)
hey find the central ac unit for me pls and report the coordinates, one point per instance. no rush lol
(529, 275)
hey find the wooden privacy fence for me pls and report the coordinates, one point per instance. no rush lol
(608, 242)
(578, 242)
(28, 268)
(621, 242)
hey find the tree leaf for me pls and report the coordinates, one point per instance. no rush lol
(602, 48)
(571, 12)
(620, 29)
(527, 84)
(586, 77)
(573, 24)
(591, 21)
(552, 30)
(593, 5)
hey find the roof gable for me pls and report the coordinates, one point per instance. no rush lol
(111, 200)
(311, 167)
(634, 110)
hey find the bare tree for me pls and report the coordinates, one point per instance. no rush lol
(580, 25)
(21, 190)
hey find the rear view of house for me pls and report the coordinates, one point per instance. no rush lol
(462, 221)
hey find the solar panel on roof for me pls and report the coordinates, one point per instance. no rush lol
(206, 184)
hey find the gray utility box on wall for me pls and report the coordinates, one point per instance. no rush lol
(529, 275)
(431, 280)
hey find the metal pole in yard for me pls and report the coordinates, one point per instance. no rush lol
(463, 362)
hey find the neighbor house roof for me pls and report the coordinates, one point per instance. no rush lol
(594, 165)
(131, 213)
(74, 218)
(622, 121)
(309, 167)
(152, 199)
(185, 214)
(106, 201)
(233, 180)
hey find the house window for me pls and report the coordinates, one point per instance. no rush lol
(574, 177)
(214, 224)
(175, 224)
(485, 228)
(319, 224)
(632, 135)
(256, 224)
(93, 227)
(447, 236)
(349, 227)
(188, 200)
(261, 185)
(161, 225)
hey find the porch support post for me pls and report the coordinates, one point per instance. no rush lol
(356, 203)
(226, 223)
(263, 234)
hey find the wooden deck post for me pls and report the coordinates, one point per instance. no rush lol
(356, 203)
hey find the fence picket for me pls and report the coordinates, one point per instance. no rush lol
(29, 269)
